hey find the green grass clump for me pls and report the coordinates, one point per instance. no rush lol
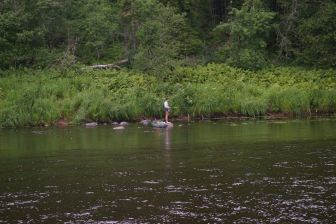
(289, 100)
(323, 100)
(253, 107)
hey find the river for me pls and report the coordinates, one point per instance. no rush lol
(203, 172)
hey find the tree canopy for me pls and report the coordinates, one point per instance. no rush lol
(157, 35)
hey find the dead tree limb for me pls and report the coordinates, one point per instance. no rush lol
(107, 66)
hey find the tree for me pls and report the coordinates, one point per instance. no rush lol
(158, 38)
(289, 12)
(20, 37)
(316, 37)
(242, 40)
(98, 32)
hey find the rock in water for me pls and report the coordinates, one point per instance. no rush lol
(38, 132)
(170, 125)
(145, 122)
(62, 123)
(119, 128)
(91, 125)
(159, 124)
(124, 123)
(115, 123)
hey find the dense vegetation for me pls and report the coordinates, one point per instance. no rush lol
(32, 97)
(211, 58)
(161, 34)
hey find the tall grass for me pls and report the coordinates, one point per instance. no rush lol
(289, 100)
(32, 97)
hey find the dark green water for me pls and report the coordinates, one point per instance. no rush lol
(224, 172)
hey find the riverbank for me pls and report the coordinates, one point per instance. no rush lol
(39, 98)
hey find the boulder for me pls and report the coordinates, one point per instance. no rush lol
(119, 128)
(159, 124)
(145, 122)
(170, 125)
(91, 124)
(123, 123)
(62, 123)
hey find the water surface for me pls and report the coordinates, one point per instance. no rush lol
(207, 172)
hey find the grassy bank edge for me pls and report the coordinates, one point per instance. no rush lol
(40, 98)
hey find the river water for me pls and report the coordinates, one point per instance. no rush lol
(202, 172)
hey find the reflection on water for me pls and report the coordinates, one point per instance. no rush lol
(242, 172)
(167, 139)
(167, 148)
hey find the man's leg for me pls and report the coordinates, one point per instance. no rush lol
(166, 116)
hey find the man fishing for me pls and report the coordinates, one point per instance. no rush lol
(166, 108)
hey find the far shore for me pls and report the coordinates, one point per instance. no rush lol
(62, 123)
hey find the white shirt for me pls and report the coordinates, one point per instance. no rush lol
(165, 104)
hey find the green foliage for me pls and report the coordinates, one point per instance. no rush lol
(159, 35)
(42, 33)
(289, 100)
(41, 97)
(29, 108)
(98, 31)
(243, 38)
(183, 99)
(1, 94)
(316, 37)
(323, 100)
(253, 106)
(159, 44)
(148, 104)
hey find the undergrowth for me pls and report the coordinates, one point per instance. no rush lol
(34, 97)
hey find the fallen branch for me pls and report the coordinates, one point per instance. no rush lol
(106, 66)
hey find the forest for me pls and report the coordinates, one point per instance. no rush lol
(258, 56)
(248, 34)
